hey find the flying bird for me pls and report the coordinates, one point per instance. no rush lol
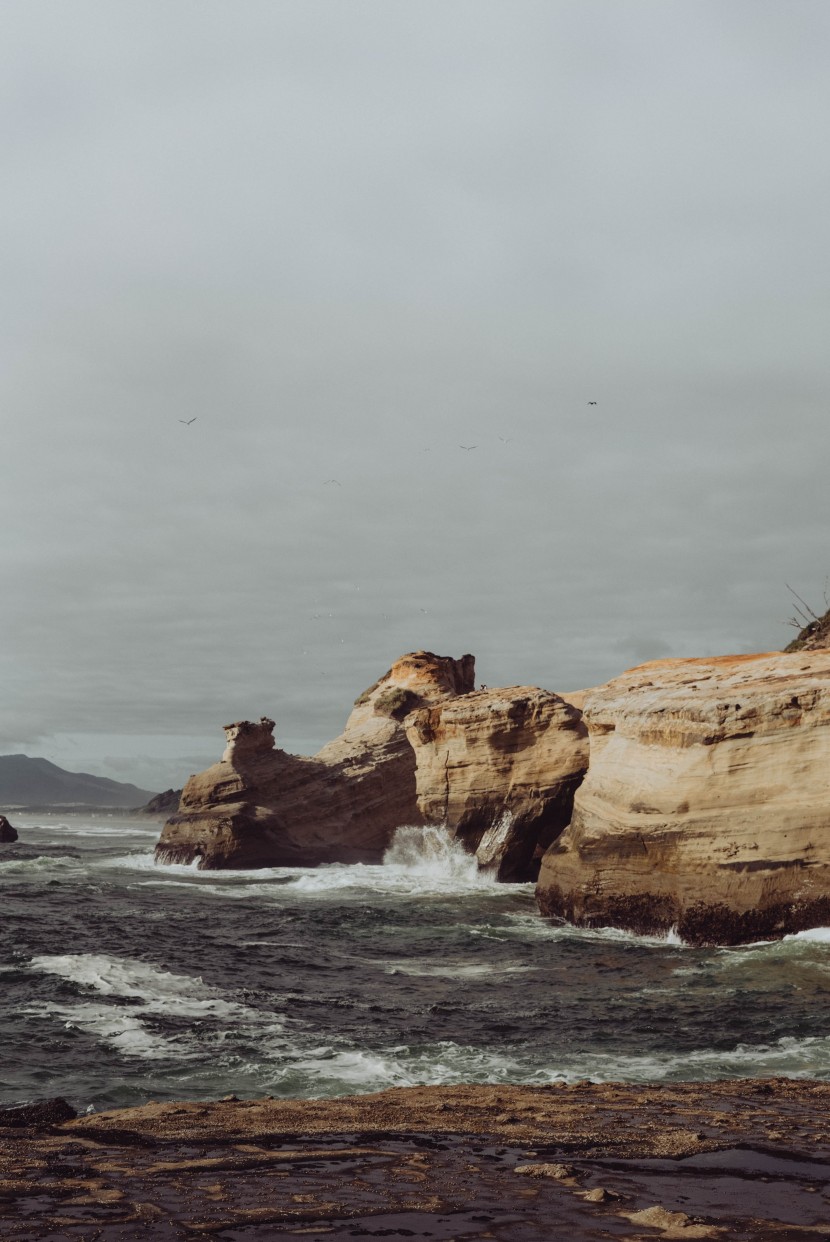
(326, 483)
(188, 421)
(592, 402)
(468, 447)
(506, 439)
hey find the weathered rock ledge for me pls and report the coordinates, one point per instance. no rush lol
(730, 1160)
(706, 806)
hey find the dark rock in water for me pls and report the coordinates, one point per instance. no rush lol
(7, 832)
(42, 1113)
(166, 803)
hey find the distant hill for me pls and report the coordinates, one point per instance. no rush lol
(39, 783)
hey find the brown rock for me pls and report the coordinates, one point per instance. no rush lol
(41, 1113)
(706, 803)
(163, 804)
(262, 807)
(500, 767)
(8, 834)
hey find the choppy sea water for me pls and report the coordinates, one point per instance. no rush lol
(122, 981)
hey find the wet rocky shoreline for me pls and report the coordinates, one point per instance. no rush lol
(743, 1159)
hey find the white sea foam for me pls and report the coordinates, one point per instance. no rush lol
(104, 830)
(330, 1069)
(156, 988)
(432, 854)
(147, 862)
(788, 1057)
(524, 926)
(815, 935)
(41, 865)
(157, 993)
(452, 970)
(420, 861)
(117, 1027)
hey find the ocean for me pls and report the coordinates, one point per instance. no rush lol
(123, 982)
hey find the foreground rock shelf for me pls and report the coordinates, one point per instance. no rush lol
(731, 1160)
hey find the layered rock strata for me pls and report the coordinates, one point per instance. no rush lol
(262, 807)
(707, 802)
(500, 767)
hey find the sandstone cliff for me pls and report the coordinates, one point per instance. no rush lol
(262, 807)
(707, 801)
(500, 767)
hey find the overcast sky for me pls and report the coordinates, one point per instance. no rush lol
(348, 237)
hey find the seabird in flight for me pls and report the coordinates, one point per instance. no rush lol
(188, 421)
(468, 447)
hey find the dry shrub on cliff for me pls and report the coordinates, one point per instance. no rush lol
(396, 702)
(814, 630)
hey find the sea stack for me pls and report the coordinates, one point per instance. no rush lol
(262, 807)
(8, 834)
(706, 802)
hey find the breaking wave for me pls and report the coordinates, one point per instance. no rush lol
(154, 993)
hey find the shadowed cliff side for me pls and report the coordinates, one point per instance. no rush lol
(707, 802)
(262, 807)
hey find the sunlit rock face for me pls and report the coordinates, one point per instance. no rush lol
(500, 767)
(707, 802)
(262, 807)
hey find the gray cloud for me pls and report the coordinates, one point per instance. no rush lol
(339, 236)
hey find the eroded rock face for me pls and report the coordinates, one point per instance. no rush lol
(707, 801)
(500, 767)
(262, 807)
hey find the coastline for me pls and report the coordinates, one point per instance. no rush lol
(733, 1159)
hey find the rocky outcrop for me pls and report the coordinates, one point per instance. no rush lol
(262, 807)
(163, 804)
(707, 802)
(8, 834)
(500, 767)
